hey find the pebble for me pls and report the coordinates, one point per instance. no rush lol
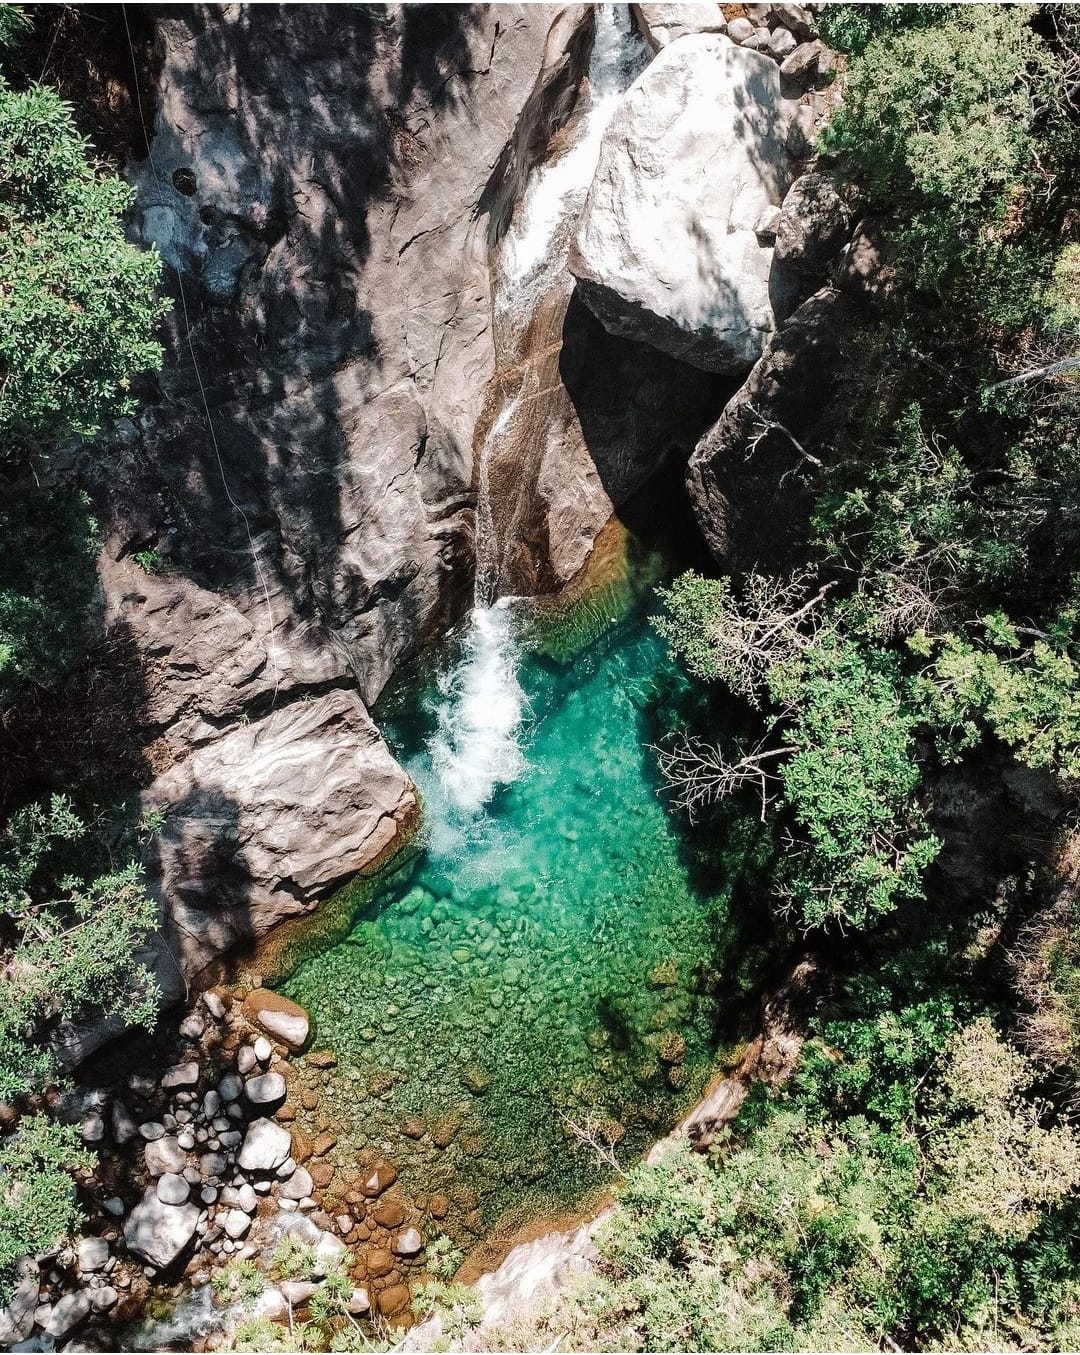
(186, 1140)
(299, 1185)
(214, 1005)
(230, 1087)
(246, 1060)
(267, 1089)
(246, 1198)
(236, 1223)
(93, 1129)
(124, 1128)
(192, 1027)
(101, 1300)
(263, 1049)
(408, 1243)
(208, 1194)
(164, 1155)
(212, 1165)
(211, 1104)
(114, 1205)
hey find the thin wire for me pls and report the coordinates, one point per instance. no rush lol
(272, 644)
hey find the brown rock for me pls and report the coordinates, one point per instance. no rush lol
(390, 1212)
(438, 1206)
(394, 1300)
(309, 1099)
(322, 1173)
(413, 1128)
(322, 1144)
(381, 1178)
(379, 1262)
(322, 1058)
(286, 1113)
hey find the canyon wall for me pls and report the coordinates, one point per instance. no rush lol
(419, 256)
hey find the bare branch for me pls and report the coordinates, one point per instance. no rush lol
(698, 774)
(765, 426)
(1037, 374)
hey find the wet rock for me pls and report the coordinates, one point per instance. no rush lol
(665, 251)
(93, 1254)
(180, 1076)
(159, 1233)
(172, 1189)
(67, 1313)
(266, 1090)
(298, 1187)
(17, 1319)
(266, 1146)
(408, 1243)
(164, 1155)
(279, 1017)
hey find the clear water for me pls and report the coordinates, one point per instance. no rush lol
(554, 950)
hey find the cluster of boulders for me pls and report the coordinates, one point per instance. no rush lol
(222, 1173)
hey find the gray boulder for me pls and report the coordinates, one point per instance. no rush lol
(748, 481)
(93, 1254)
(164, 1155)
(17, 1319)
(666, 249)
(159, 1233)
(67, 1313)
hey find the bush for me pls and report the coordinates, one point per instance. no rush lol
(77, 302)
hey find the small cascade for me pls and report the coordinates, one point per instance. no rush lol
(480, 717)
(536, 246)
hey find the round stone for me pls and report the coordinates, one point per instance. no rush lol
(172, 1189)
(263, 1049)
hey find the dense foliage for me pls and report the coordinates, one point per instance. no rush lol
(915, 1185)
(77, 307)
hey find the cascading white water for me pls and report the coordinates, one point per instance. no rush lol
(538, 241)
(480, 717)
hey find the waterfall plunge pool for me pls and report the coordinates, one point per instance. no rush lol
(558, 950)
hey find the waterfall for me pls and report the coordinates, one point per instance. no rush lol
(480, 715)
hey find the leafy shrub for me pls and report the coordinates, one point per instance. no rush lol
(77, 302)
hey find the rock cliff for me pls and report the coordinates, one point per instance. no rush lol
(397, 328)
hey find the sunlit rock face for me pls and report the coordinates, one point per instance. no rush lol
(670, 245)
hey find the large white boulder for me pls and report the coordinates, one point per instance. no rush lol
(158, 1233)
(667, 249)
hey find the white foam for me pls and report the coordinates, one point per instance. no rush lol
(476, 746)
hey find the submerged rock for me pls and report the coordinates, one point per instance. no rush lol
(666, 249)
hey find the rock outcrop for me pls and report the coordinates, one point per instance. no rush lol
(263, 821)
(667, 248)
(748, 476)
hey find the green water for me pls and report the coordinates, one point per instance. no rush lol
(555, 957)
